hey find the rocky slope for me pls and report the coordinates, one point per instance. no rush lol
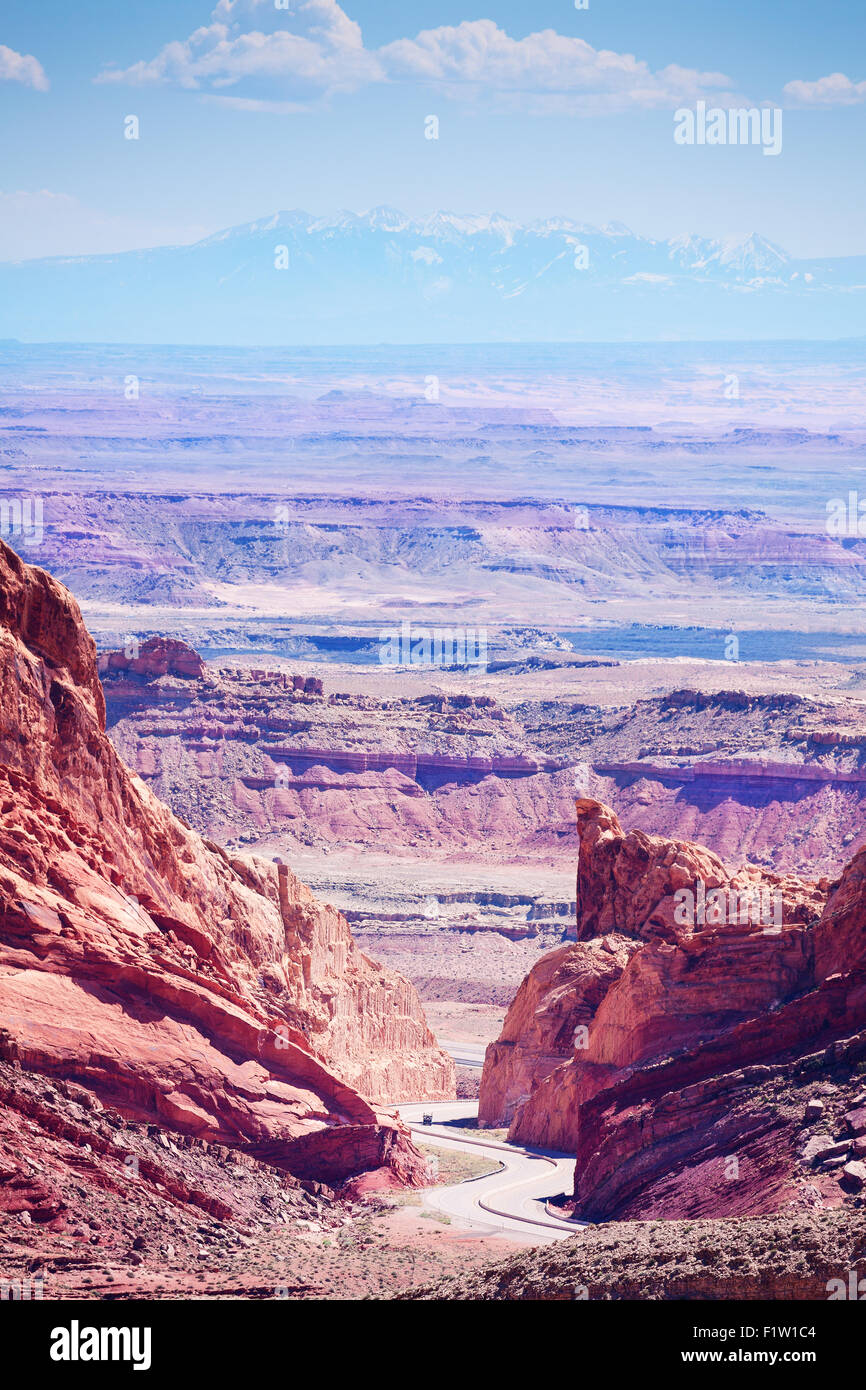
(735, 1259)
(675, 1056)
(97, 1206)
(210, 994)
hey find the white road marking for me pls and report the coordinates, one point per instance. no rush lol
(510, 1200)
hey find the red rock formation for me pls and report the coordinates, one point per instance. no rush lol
(158, 656)
(238, 751)
(559, 995)
(214, 995)
(242, 750)
(626, 887)
(22, 1190)
(687, 1024)
(627, 883)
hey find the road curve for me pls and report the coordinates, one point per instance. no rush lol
(464, 1054)
(511, 1200)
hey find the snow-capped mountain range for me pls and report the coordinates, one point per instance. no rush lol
(382, 276)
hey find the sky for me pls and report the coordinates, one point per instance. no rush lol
(543, 110)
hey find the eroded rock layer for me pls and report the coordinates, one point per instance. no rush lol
(249, 754)
(672, 1045)
(214, 995)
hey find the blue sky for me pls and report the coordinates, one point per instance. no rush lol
(322, 107)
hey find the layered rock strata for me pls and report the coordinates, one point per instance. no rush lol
(671, 1047)
(213, 995)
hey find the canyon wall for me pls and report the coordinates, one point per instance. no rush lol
(658, 1048)
(212, 994)
(165, 541)
(264, 754)
(625, 895)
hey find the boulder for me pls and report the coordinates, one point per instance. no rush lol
(822, 1146)
(854, 1175)
(855, 1120)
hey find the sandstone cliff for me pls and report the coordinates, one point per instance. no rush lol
(559, 995)
(683, 1093)
(626, 886)
(213, 995)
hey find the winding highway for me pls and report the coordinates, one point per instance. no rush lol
(465, 1054)
(510, 1200)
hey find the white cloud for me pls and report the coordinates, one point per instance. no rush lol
(835, 90)
(322, 52)
(554, 71)
(315, 50)
(273, 108)
(22, 67)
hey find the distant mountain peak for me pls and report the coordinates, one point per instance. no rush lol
(387, 219)
(382, 275)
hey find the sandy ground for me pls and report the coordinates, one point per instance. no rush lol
(343, 876)
(472, 1023)
(379, 1254)
(602, 685)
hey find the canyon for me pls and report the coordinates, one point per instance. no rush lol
(705, 1047)
(307, 573)
(440, 822)
(600, 487)
(243, 853)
